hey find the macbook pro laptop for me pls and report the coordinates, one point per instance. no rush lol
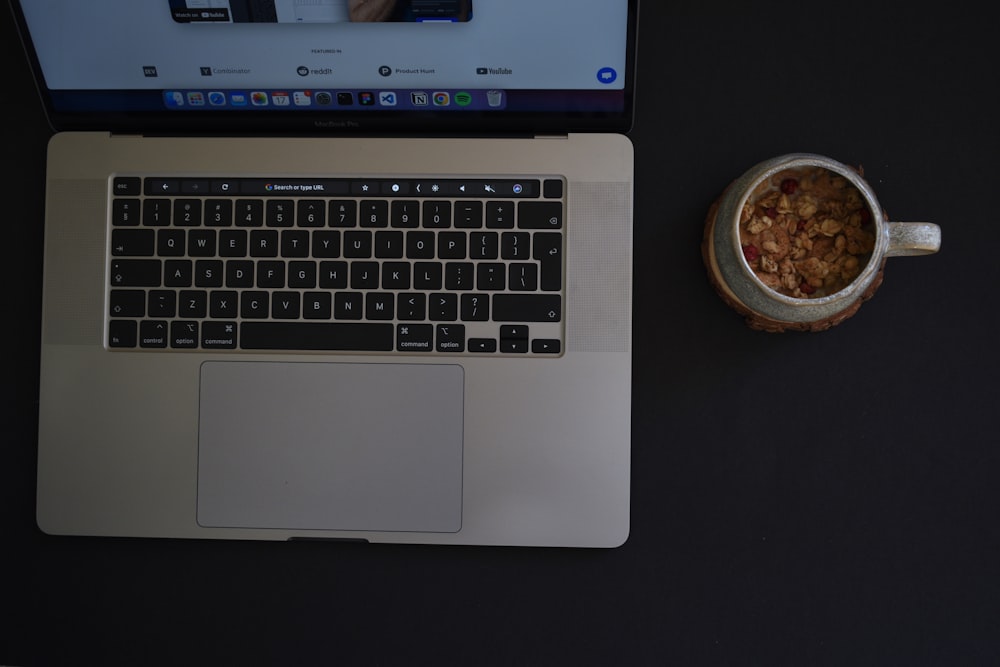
(336, 269)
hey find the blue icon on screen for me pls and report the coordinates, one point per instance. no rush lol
(173, 98)
(607, 75)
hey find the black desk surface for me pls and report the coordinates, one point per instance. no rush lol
(802, 499)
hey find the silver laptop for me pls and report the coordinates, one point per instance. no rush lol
(336, 269)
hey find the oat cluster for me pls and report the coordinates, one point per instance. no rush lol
(806, 233)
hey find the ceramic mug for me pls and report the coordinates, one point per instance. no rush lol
(800, 241)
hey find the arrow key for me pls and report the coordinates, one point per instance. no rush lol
(545, 346)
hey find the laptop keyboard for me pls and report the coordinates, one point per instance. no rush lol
(401, 266)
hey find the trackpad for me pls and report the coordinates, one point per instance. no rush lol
(331, 446)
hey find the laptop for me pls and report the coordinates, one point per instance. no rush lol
(336, 269)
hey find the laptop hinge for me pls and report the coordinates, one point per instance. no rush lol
(551, 136)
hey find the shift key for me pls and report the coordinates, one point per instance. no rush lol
(527, 307)
(135, 273)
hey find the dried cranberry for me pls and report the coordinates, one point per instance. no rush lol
(772, 212)
(789, 186)
(750, 252)
(866, 216)
(806, 288)
(800, 226)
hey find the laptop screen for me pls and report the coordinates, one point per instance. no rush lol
(333, 65)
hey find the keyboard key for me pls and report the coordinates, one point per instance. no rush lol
(545, 346)
(458, 275)
(125, 212)
(514, 338)
(437, 215)
(218, 335)
(133, 242)
(443, 307)
(254, 305)
(343, 213)
(500, 215)
(379, 306)
(153, 333)
(482, 345)
(361, 336)
(548, 251)
(311, 213)
(156, 212)
(127, 303)
(374, 213)
(405, 214)
(316, 306)
(348, 305)
(122, 333)
(219, 212)
(183, 335)
(286, 305)
(475, 307)
(162, 303)
(450, 338)
(469, 215)
(187, 212)
(539, 215)
(411, 306)
(523, 277)
(527, 307)
(490, 276)
(126, 185)
(414, 337)
(280, 213)
(135, 273)
(249, 213)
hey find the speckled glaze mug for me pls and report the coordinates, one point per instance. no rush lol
(799, 242)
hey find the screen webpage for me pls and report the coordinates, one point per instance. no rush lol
(330, 54)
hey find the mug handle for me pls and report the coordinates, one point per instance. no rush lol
(913, 238)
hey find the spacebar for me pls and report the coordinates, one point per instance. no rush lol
(363, 337)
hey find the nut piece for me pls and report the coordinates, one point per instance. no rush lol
(809, 232)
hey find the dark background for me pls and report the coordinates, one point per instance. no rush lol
(799, 499)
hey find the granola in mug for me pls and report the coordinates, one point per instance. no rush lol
(806, 233)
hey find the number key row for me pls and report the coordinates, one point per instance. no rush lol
(430, 214)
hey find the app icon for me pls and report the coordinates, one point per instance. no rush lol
(238, 98)
(482, 71)
(607, 75)
(441, 99)
(494, 97)
(463, 99)
(302, 98)
(302, 70)
(385, 70)
(387, 98)
(280, 99)
(173, 98)
(366, 99)
(217, 98)
(206, 71)
(345, 99)
(324, 98)
(196, 99)
(149, 71)
(419, 99)
(258, 98)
